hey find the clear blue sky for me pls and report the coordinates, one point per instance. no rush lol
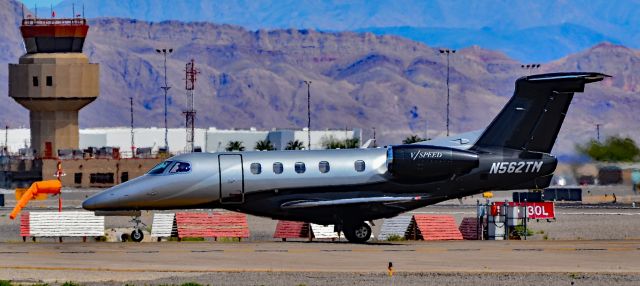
(40, 3)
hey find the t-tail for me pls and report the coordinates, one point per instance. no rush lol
(518, 142)
(532, 118)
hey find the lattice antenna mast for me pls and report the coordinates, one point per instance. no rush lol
(190, 113)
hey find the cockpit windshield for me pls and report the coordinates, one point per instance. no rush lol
(180, 167)
(160, 168)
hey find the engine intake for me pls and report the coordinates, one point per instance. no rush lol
(424, 163)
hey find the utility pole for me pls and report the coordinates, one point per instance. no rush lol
(426, 128)
(530, 67)
(447, 52)
(308, 83)
(166, 88)
(374, 138)
(6, 140)
(598, 131)
(190, 113)
(133, 146)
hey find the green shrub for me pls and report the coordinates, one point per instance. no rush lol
(228, 239)
(193, 239)
(5, 283)
(70, 283)
(614, 149)
(520, 231)
(186, 239)
(191, 284)
(395, 237)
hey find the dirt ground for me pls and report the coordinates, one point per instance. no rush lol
(366, 279)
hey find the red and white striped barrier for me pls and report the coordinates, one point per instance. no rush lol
(216, 225)
(61, 224)
(434, 227)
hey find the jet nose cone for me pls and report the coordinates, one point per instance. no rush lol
(90, 204)
(102, 201)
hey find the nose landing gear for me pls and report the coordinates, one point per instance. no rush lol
(137, 235)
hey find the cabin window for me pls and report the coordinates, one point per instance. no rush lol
(300, 168)
(323, 166)
(159, 169)
(359, 166)
(180, 167)
(49, 80)
(278, 168)
(256, 168)
(35, 81)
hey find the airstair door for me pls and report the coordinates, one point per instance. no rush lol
(231, 178)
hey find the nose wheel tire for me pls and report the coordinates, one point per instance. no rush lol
(137, 235)
(357, 233)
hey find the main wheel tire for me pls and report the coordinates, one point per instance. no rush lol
(137, 235)
(358, 233)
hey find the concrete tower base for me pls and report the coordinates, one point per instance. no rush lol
(54, 87)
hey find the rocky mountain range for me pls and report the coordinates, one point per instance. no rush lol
(253, 79)
(529, 31)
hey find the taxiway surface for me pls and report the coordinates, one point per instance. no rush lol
(94, 262)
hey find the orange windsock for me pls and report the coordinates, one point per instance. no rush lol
(41, 187)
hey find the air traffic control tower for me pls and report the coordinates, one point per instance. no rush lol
(54, 80)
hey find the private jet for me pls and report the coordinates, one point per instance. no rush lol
(350, 187)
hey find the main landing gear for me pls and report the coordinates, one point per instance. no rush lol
(359, 232)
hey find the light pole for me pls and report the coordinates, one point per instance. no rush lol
(308, 83)
(374, 138)
(447, 52)
(426, 128)
(6, 140)
(133, 146)
(166, 88)
(598, 131)
(530, 67)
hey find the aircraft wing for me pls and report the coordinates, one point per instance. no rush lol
(350, 201)
(461, 141)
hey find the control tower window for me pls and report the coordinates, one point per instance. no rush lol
(49, 80)
(35, 81)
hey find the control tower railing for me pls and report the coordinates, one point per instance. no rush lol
(54, 22)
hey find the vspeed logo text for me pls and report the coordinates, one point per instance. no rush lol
(515, 167)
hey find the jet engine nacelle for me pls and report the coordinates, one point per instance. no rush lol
(424, 163)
